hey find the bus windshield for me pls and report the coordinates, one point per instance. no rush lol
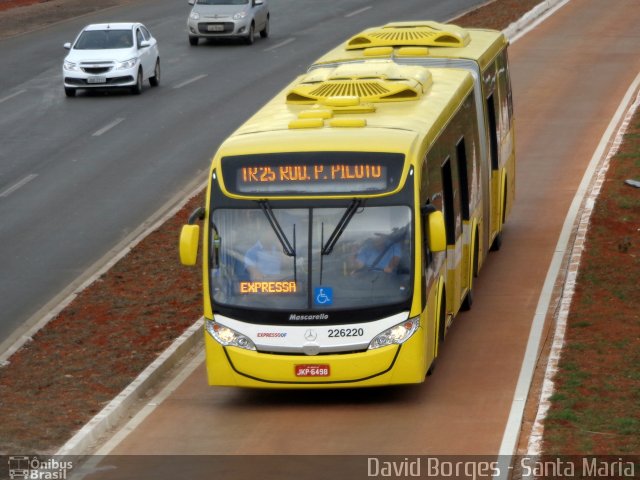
(366, 266)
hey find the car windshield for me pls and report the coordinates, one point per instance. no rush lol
(104, 39)
(223, 2)
(311, 259)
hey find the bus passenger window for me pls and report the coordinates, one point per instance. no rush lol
(449, 209)
(493, 132)
(461, 154)
(428, 254)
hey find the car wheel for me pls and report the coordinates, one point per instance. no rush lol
(264, 33)
(155, 80)
(70, 92)
(137, 88)
(193, 41)
(252, 31)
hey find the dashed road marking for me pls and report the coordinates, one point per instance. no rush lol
(358, 12)
(191, 80)
(17, 185)
(281, 44)
(106, 128)
(15, 94)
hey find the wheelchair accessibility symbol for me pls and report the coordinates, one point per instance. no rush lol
(323, 295)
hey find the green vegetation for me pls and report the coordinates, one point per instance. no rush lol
(594, 409)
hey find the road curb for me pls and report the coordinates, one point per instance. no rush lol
(532, 18)
(117, 408)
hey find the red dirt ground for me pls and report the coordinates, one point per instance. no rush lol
(7, 4)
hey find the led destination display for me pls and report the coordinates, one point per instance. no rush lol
(316, 172)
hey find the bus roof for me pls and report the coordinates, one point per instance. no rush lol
(377, 106)
(424, 39)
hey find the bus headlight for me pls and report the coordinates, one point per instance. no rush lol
(227, 336)
(397, 334)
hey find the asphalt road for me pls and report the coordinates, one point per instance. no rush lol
(565, 95)
(79, 176)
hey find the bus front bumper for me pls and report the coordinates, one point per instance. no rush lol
(393, 364)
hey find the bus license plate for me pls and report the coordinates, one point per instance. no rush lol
(312, 370)
(97, 80)
(215, 28)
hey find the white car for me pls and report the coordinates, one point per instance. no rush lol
(228, 18)
(109, 55)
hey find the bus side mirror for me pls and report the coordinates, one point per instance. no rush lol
(189, 238)
(437, 232)
(189, 244)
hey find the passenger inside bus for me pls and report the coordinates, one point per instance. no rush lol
(380, 253)
(264, 258)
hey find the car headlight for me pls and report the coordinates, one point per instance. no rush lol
(397, 334)
(228, 337)
(126, 64)
(240, 15)
(67, 65)
(194, 16)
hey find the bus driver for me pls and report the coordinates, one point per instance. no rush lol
(378, 253)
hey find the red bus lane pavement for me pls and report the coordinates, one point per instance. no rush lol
(569, 76)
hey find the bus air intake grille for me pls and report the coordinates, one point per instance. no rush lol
(424, 34)
(371, 91)
(373, 82)
(350, 89)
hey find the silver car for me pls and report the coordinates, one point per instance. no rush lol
(109, 55)
(228, 18)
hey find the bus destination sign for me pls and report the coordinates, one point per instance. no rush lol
(373, 176)
(324, 173)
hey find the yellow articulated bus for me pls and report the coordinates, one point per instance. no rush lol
(483, 53)
(333, 228)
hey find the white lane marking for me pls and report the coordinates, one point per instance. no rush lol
(281, 44)
(8, 97)
(17, 185)
(191, 80)
(106, 128)
(357, 12)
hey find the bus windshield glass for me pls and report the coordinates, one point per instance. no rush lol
(366, 266)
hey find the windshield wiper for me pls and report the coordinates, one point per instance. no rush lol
(341, 226)
(288, 250)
